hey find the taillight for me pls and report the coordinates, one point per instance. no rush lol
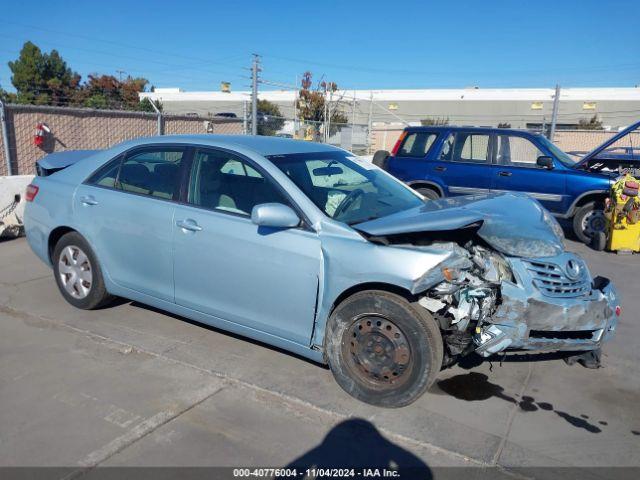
(32, 191)
(396, 147)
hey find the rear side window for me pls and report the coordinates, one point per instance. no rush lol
(466, 147)
(107, 175)
(416, 144)
(153, 172)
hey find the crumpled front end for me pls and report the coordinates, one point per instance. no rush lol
(553, 305)
(489, 303)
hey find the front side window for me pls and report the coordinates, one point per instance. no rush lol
(466, 147)
(153, 172)
(346, 188)
(416, 144)
(223, 181)
(517, 151)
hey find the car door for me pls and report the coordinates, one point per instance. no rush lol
(464, 163)
(516, 170)
(228, 267)
(410, 163)
(125, 209)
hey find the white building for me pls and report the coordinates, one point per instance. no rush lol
(517, 107)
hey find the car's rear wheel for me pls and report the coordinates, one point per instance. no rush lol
(78, 274)
(383, 349)
(428, 193)
(588, 220)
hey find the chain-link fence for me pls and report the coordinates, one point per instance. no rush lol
(87, 129)
(352, 137)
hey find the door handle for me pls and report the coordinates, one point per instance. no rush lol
(505, 174)
(189, 224)
(440, 169)
(88, 200)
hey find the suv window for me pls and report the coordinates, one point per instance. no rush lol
(515, 150)
(466, 147)
(223, 181)
(153, 172)
(416, 144)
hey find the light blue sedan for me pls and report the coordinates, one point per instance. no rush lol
(308, 248)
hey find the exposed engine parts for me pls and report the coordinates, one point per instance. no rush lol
(467, 297)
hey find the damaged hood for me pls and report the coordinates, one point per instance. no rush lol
(513, 224)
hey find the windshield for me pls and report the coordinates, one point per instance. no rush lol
(346, 188)
(562, 156)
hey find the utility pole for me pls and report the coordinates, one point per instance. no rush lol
(255, 69)
(554, 114)
(120, 72)
(353, 111)
(370, 123)
(244, 118)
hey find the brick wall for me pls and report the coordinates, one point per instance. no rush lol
(84, 129)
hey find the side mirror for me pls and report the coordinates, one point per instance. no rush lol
(274, 215)
(381, 158)
(545, 161)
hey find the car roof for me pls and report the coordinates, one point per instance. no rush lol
(259, 144)
(429, 128)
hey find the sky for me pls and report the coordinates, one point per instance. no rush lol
(194, 45)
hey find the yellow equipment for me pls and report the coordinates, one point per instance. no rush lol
(622, 211)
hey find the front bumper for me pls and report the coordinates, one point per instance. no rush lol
(526, 319)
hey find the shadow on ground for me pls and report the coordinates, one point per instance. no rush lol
(357, 443)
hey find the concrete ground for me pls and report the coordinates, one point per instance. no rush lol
(130, 386)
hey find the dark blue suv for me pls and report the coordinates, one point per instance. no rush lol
(446, 161)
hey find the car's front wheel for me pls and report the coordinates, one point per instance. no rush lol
(78, 274)
(383, 349)
(588, 220)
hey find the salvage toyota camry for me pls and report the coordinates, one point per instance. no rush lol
(308, 248)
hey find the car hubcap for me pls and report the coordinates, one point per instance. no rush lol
(75, 272)
(593, 222)
(378, 351)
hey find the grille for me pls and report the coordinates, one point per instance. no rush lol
(552, 281)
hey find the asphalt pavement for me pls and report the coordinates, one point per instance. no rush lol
(131, 386)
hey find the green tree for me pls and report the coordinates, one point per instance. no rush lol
(42, 78)
(106, 91)
(145, 105)
(313, 104)
(270, 119)
(592, 124)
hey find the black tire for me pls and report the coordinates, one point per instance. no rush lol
(381, 159)
(428, 193)
(587, 220)
(91, 294)
(397, 357)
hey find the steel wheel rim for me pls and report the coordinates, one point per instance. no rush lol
(75, 272)
(378, 352)
(593, 222)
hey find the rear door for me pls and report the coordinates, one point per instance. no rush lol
(464, 163)
(410, 163)
(516, 170)
(126, 210)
